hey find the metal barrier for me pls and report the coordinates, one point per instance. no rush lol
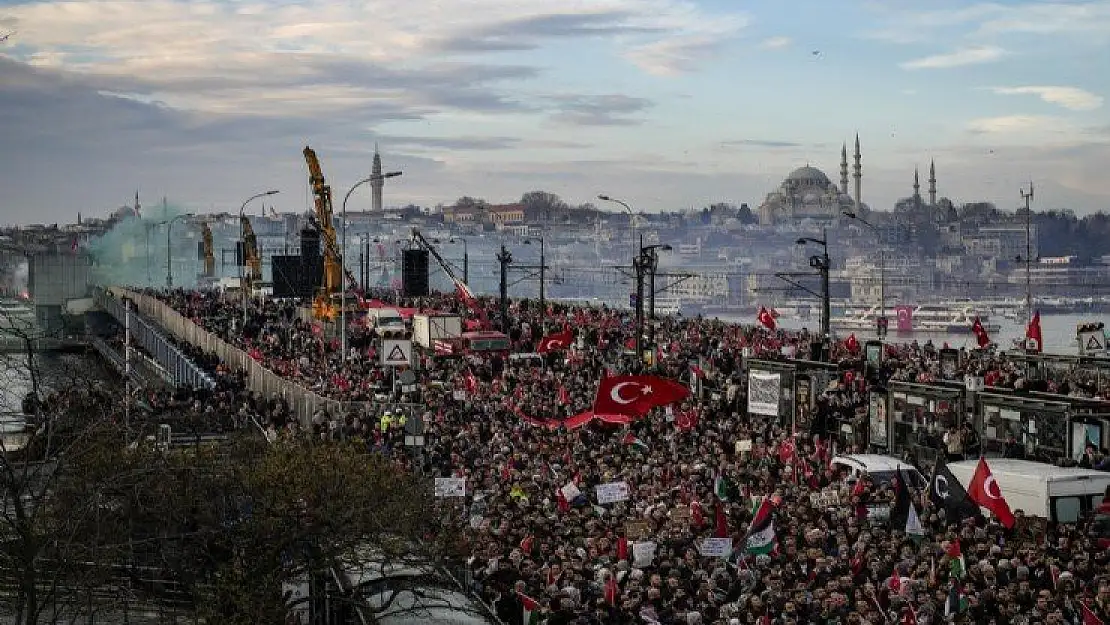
(182, 370)
(302, 402)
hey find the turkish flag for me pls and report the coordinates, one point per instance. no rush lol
(1033, 338)
(980, 333)
(765, 318)
(852, 343)
(555, 342)
(635, 395)
(1089, 616)
(984, 491)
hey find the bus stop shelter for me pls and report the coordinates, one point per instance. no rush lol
(911, 417)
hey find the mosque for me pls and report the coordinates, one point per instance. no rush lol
(807, 193)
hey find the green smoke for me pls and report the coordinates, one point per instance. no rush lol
(133, 252)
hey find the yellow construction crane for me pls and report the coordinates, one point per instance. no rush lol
(251, 258)
(209, 253)
(322, 306)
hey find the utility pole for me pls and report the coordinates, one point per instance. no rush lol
(1028, 197)
(504, 259)
(653, 265)
(638, 265)
(543, 301)
(821, 264)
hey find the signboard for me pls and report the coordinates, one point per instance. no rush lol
(949, 363)
(764, 390)
(716, 547)
(643, 554)
(396, 352)
(879, 429)
(612, 492)
(803, 403)
(1092, 343)
(450, 487)
(637, 530)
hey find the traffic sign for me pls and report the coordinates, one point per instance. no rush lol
(1092, 343)
(396, 352)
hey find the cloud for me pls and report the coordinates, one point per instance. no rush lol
(598, 110)
(775, 43)
(760, 143)
(989, 20)
(965, 56)
(675, 56)
(1010, 124)
(1072, 98)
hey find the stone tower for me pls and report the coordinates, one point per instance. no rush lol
(932, 183)
(858, 176)
(844, 168)
(377, 183)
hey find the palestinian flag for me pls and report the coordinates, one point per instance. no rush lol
(531, 610)
(956, 562)
(956, 602)
(631, 440)
(760, 539)
(722, 488)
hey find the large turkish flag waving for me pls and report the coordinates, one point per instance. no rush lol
(635, 395)
(555, 342)
(984, 491)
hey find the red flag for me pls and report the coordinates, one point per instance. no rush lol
(852, 343)
(766, 319)
(686, 420)
(561, 500)
(526, 544)
(555, 342)
(635, 395)
(1034, 341)
(787, 450)
(980, 333)
(1089, 616)
(622, 548)
(564, 397)
(909, 615)
(721, 530)
(984, 491)
(611, 590)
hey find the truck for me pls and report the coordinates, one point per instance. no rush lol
(387, 323)
(428, 329)
(1059, 494)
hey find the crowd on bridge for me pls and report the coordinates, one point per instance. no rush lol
(544, 550)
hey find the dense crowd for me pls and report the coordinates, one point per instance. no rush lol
(695, 470)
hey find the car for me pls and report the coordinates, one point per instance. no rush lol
(879, 469)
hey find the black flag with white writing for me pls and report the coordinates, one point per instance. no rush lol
(946, 492)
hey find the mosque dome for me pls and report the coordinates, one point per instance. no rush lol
(809, 176)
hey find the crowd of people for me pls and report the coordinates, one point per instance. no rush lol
(542, 549)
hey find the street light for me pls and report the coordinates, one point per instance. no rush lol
(169, 261)
(821, 264)
(631, 214)
(343, 256)
(243, 240)
(880, 325)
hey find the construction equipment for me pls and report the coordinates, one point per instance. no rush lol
(251, 259)
(461, 288)
(322, 306)
(209, 255)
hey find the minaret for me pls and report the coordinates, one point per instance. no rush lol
(844, 168)
(932, 183)
(377, 183)
(138, 207)
(916, 190)
(858, 175)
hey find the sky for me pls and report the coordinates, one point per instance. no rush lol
(666, 104)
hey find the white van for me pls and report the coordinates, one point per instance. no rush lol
(1059, 494)
(879, 469)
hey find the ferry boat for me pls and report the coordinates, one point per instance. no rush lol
(924, 319)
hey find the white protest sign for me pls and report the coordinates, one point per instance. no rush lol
(643, 554)
(570, 492)
(716, 547)
(450, 487)
(612, 492)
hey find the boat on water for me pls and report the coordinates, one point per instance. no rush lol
(920, 319)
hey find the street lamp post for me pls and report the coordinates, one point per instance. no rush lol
(343, 256)
(466, 259)
(821, 264)
(880, 325)
(645, 263)
(631, 214)
(543, 269)
(169, 260)
(504, 258)
(243, 240)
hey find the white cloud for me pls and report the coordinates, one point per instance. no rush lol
(1015, 124)
(1072, 98)
(774, 43)
(992, 19)
(212, 55)
(965, 56)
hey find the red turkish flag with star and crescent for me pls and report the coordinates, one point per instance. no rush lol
(765, 318)
(635, 395)
(984, 490)
(555, 342)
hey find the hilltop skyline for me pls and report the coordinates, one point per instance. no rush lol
(668, 104)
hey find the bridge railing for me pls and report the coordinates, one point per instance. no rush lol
(302, 401)
(182, 370)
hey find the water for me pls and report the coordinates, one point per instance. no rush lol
(52, 371)
(1058, 332)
